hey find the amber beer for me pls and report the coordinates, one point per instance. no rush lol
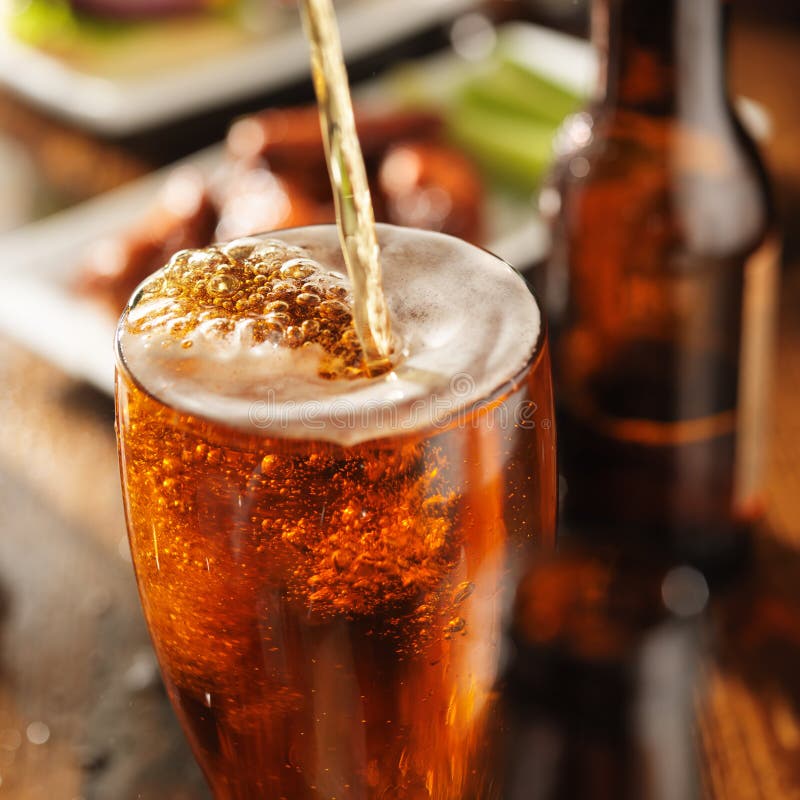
(659, 289)
(323, 557)
(603, 695)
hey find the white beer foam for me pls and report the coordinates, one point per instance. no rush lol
(464, 320)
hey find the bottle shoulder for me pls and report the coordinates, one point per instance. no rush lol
(705, 182)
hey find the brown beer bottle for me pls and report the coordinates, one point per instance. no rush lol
(659, 287)
(599, 699)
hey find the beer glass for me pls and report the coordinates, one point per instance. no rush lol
(324, 557)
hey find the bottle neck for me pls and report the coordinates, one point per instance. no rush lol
(661, 57)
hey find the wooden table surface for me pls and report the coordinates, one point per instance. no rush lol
(82, 711)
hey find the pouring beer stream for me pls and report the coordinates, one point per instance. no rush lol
(354, 215)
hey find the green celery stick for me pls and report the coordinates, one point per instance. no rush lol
(513, 149)
(515, 89)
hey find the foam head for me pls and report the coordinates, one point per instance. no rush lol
(250, 295)
(258, 333)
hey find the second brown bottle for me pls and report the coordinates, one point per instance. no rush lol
(659, 288)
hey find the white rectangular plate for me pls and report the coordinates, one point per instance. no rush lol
(120, 106)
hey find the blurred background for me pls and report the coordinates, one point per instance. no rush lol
(460, 101)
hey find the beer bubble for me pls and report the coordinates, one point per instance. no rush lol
(282, 288)
(203, 259)
(349, 338)
(214, 456)
(294, 336)
(454, 626)
(170, 465)
(341, 560)
(278, 318)
(310, 327)
(179, 260)
(275, 247)
(351, 512)
(333, 309)
(268, 247)
(266, 331)
(224, 283)
(239, 249)
(307, 299)
(298, 268)
(462, 592)
(289, 537)
(321, 595)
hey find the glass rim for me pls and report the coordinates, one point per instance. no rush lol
(503, 388)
